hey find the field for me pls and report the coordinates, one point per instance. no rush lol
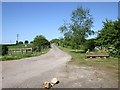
(20, 46)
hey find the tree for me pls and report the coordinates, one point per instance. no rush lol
(26, 42)
(31, 42)
(55, 41)
(109, 36)
(40, 42)
(20, 42)
(16, 42)
(79, 28)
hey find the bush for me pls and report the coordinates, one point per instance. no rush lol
(89, 44)
(20, 42)
(4, 50)
(40, 42)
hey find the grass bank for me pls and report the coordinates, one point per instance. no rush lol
(79, 58)
(20, 56)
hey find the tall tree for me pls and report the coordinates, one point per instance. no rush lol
(80, 26)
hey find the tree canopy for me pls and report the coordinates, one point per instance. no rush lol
(20, 42)
(26, 42)
(40, 42)
(79, 28)
(109, 36)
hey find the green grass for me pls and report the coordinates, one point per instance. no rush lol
(20, 46)
(80, 58)
(20, 56)
(109, 64)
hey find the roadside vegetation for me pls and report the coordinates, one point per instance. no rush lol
(38, 46)
(81, 59)
(77, 44)
(20, 56)
(77, 31)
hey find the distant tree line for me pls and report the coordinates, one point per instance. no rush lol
(25, 42)
(39, 43)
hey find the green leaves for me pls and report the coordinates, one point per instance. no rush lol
(40, 41)
(3, 50)
(80, 26)
(109, 36)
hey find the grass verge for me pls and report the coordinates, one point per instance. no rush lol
(110, 65)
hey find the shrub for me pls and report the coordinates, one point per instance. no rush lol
(89, 44)
(20, 42)
(4, 50)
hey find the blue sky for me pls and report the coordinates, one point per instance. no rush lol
(29, 19)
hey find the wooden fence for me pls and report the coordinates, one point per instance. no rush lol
(19, 51)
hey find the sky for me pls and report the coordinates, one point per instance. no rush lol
(29, 19)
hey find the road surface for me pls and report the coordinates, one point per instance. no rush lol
(32, 72)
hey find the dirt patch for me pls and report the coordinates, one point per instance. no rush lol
(73, 76)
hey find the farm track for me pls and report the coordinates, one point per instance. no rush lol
(32, 72)
(27, 73)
